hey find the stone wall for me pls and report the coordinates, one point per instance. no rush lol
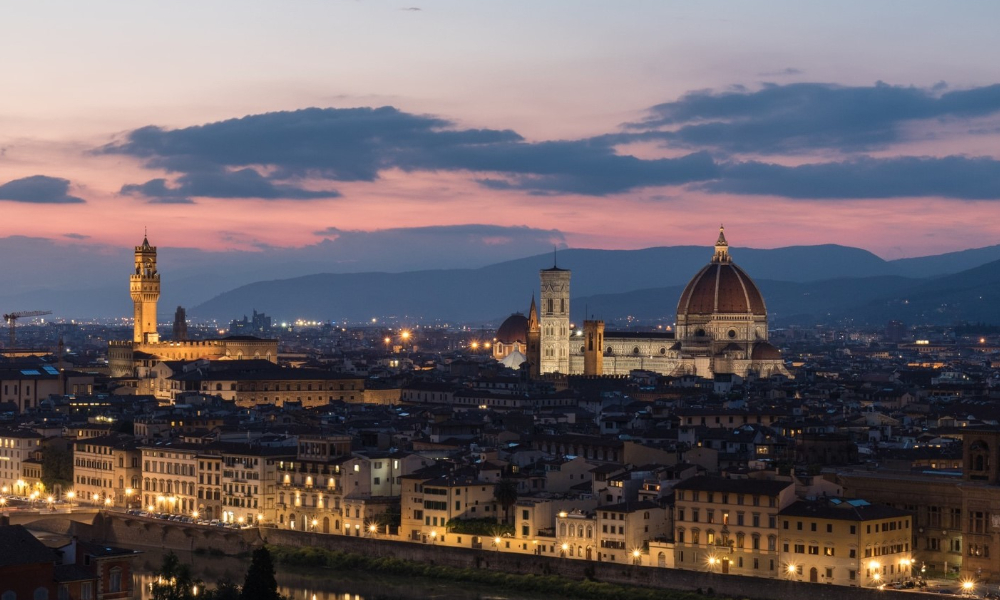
(724, 585)
(124, 530)
(128, 531)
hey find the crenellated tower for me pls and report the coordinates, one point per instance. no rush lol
(145, 289)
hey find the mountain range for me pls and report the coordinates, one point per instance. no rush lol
(801, 284)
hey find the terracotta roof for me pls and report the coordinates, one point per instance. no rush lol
(721, 288)
(513, 329)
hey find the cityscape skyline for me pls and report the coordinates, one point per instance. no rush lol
(264, 128)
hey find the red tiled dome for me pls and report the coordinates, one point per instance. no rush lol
(513, 329)
(721, 287)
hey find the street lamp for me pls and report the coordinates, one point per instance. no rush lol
(712, 561)
(636, 554)
(968, 587)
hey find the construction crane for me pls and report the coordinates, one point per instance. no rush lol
(12, 318)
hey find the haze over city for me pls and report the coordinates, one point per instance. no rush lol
(499, 130)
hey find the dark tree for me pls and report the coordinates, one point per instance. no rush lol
(505, 493)
(260, 583)
(57, 468)
(224, 590)
(174, 581)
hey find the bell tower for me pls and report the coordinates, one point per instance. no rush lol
(554, 321)
(145, 289)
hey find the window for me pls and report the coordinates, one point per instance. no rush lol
(8, 595)
(41, 594)
(64, 592)
(814, 550)
(828, 551)
(800, 548)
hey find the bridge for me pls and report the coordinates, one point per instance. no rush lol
(51, 521)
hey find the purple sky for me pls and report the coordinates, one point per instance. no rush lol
(244, 125)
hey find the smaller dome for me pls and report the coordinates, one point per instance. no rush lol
(513, 329)
(765, 351)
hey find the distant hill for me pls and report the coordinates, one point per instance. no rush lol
(498, 290)
(799, 283)
(787, 302)
(944, 264)
(972, 295)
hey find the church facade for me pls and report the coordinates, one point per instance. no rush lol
(721, 328)
(134, 358)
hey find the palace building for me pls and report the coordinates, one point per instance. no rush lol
(134, 358)
(721, 328)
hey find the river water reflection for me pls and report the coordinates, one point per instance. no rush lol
(314, 584)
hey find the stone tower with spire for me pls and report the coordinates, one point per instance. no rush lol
(534, 340)
(145, 290)
(554, 321)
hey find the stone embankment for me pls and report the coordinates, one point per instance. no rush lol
(129, 531)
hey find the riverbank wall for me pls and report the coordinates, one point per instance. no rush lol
(125, 530)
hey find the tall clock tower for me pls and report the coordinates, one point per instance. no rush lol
(145, 289)
(554, 321)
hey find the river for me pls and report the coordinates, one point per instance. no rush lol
(317, 584)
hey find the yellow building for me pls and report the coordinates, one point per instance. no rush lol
(170, 477)
(107, 471)
(846, 542)
(17, 448)
(133, 358)
(729, 525)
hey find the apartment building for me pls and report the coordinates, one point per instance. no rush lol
(845, 542)
(249, 475)
(729, 525)
(17, 448)
(170, 477)
(107, 470)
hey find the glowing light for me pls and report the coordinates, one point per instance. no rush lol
(967, 585)
(791, 569)
(873, 565)
(194, 514)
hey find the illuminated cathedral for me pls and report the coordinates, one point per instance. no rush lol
(721, 328)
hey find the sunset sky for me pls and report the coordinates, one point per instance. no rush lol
(250, 125)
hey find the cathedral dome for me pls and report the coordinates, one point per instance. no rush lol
(721, 287)
(513, 329)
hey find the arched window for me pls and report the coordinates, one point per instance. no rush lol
(562, 530)
(8, 595)
(590, 531)
(609, 351)
(635, 350)
(41, 594)
(739, 539)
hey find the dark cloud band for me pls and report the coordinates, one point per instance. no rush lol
(39, 189)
